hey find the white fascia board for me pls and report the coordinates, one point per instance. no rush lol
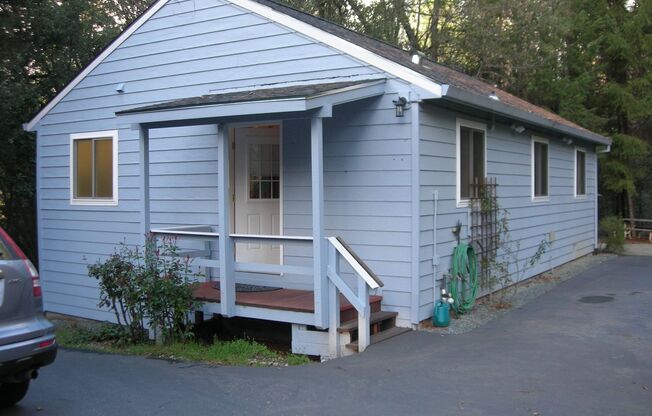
(30, 126)
(347, 94)
(344, 46)
(213, 111)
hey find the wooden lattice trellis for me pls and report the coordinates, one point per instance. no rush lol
(484, 227)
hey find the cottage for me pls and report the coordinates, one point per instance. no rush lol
(289, 152)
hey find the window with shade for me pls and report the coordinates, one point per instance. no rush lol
(471, 154)
(93, 168)
(539, 169)
(580, 172)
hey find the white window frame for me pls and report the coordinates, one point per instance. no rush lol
(575, 194)
(113, 134)
(535, 198)
(464, 203)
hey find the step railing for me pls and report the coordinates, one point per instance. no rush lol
(358, 297)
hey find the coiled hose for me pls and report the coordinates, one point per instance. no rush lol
(463, 286)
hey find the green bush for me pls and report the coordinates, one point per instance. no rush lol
(150, 285)
(612, 230)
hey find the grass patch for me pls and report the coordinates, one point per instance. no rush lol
(105, 338)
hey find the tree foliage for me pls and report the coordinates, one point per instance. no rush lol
(587, 60)
(45, 43)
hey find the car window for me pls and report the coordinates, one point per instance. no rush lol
(5, 254)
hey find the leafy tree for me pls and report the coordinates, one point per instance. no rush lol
(44, 44)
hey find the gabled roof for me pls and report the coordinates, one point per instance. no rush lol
(438, 80)
(458, 86)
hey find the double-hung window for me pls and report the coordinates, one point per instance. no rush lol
(580, 173)
(94, 168)
(540, 162)
(471, 158)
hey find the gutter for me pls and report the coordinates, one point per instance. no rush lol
(455, 94)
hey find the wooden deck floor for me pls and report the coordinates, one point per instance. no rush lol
(282, 299)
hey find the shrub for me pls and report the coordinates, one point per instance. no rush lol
(121, 290)
(150, 285)
(612, 230)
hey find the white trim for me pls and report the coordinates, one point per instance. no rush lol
(113, 134)
(342, 45)
(459, 123)
(546, 197)
(370, 281)
(106, 52)
(575, 194)
(232, 127)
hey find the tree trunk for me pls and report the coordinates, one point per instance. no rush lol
(631, 213)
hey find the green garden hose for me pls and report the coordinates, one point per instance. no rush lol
(463, 286)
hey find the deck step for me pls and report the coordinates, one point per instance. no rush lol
(381, 336)
(375, 317)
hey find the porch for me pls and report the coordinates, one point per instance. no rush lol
(336, 284)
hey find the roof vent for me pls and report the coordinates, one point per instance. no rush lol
(493, 96)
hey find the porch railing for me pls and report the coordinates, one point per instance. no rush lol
(260, 273)
(366, 281)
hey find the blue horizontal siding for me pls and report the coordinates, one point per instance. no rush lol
(509, 160)
(188, 48)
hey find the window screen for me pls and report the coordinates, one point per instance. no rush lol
(472, 158)
(93, 168)
(540, 169)
(580, 173)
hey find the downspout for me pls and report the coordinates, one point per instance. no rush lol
(416, 201)
(435, 255)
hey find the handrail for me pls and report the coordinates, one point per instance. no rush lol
(358, 298)
(636, 220)
(198, 231)
(356, 262)
(165, 231)
(281, 238)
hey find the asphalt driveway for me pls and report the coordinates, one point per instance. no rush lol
(554, 356)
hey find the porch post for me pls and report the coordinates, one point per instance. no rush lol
(144, 177)
(319, 244)
(225, 243)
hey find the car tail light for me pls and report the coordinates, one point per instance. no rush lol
(36, 282)
(46, 344)
(31, 270)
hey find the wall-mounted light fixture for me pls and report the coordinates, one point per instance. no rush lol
(401, 105)
(517, 128)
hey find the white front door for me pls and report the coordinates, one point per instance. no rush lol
(257, 196)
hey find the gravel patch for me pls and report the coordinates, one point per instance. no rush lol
(486, 310)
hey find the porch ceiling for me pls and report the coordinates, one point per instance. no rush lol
(296, 98)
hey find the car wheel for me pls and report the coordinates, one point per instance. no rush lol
(12, 393)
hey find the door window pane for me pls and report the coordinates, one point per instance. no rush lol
(264, 171)
(540, 169)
